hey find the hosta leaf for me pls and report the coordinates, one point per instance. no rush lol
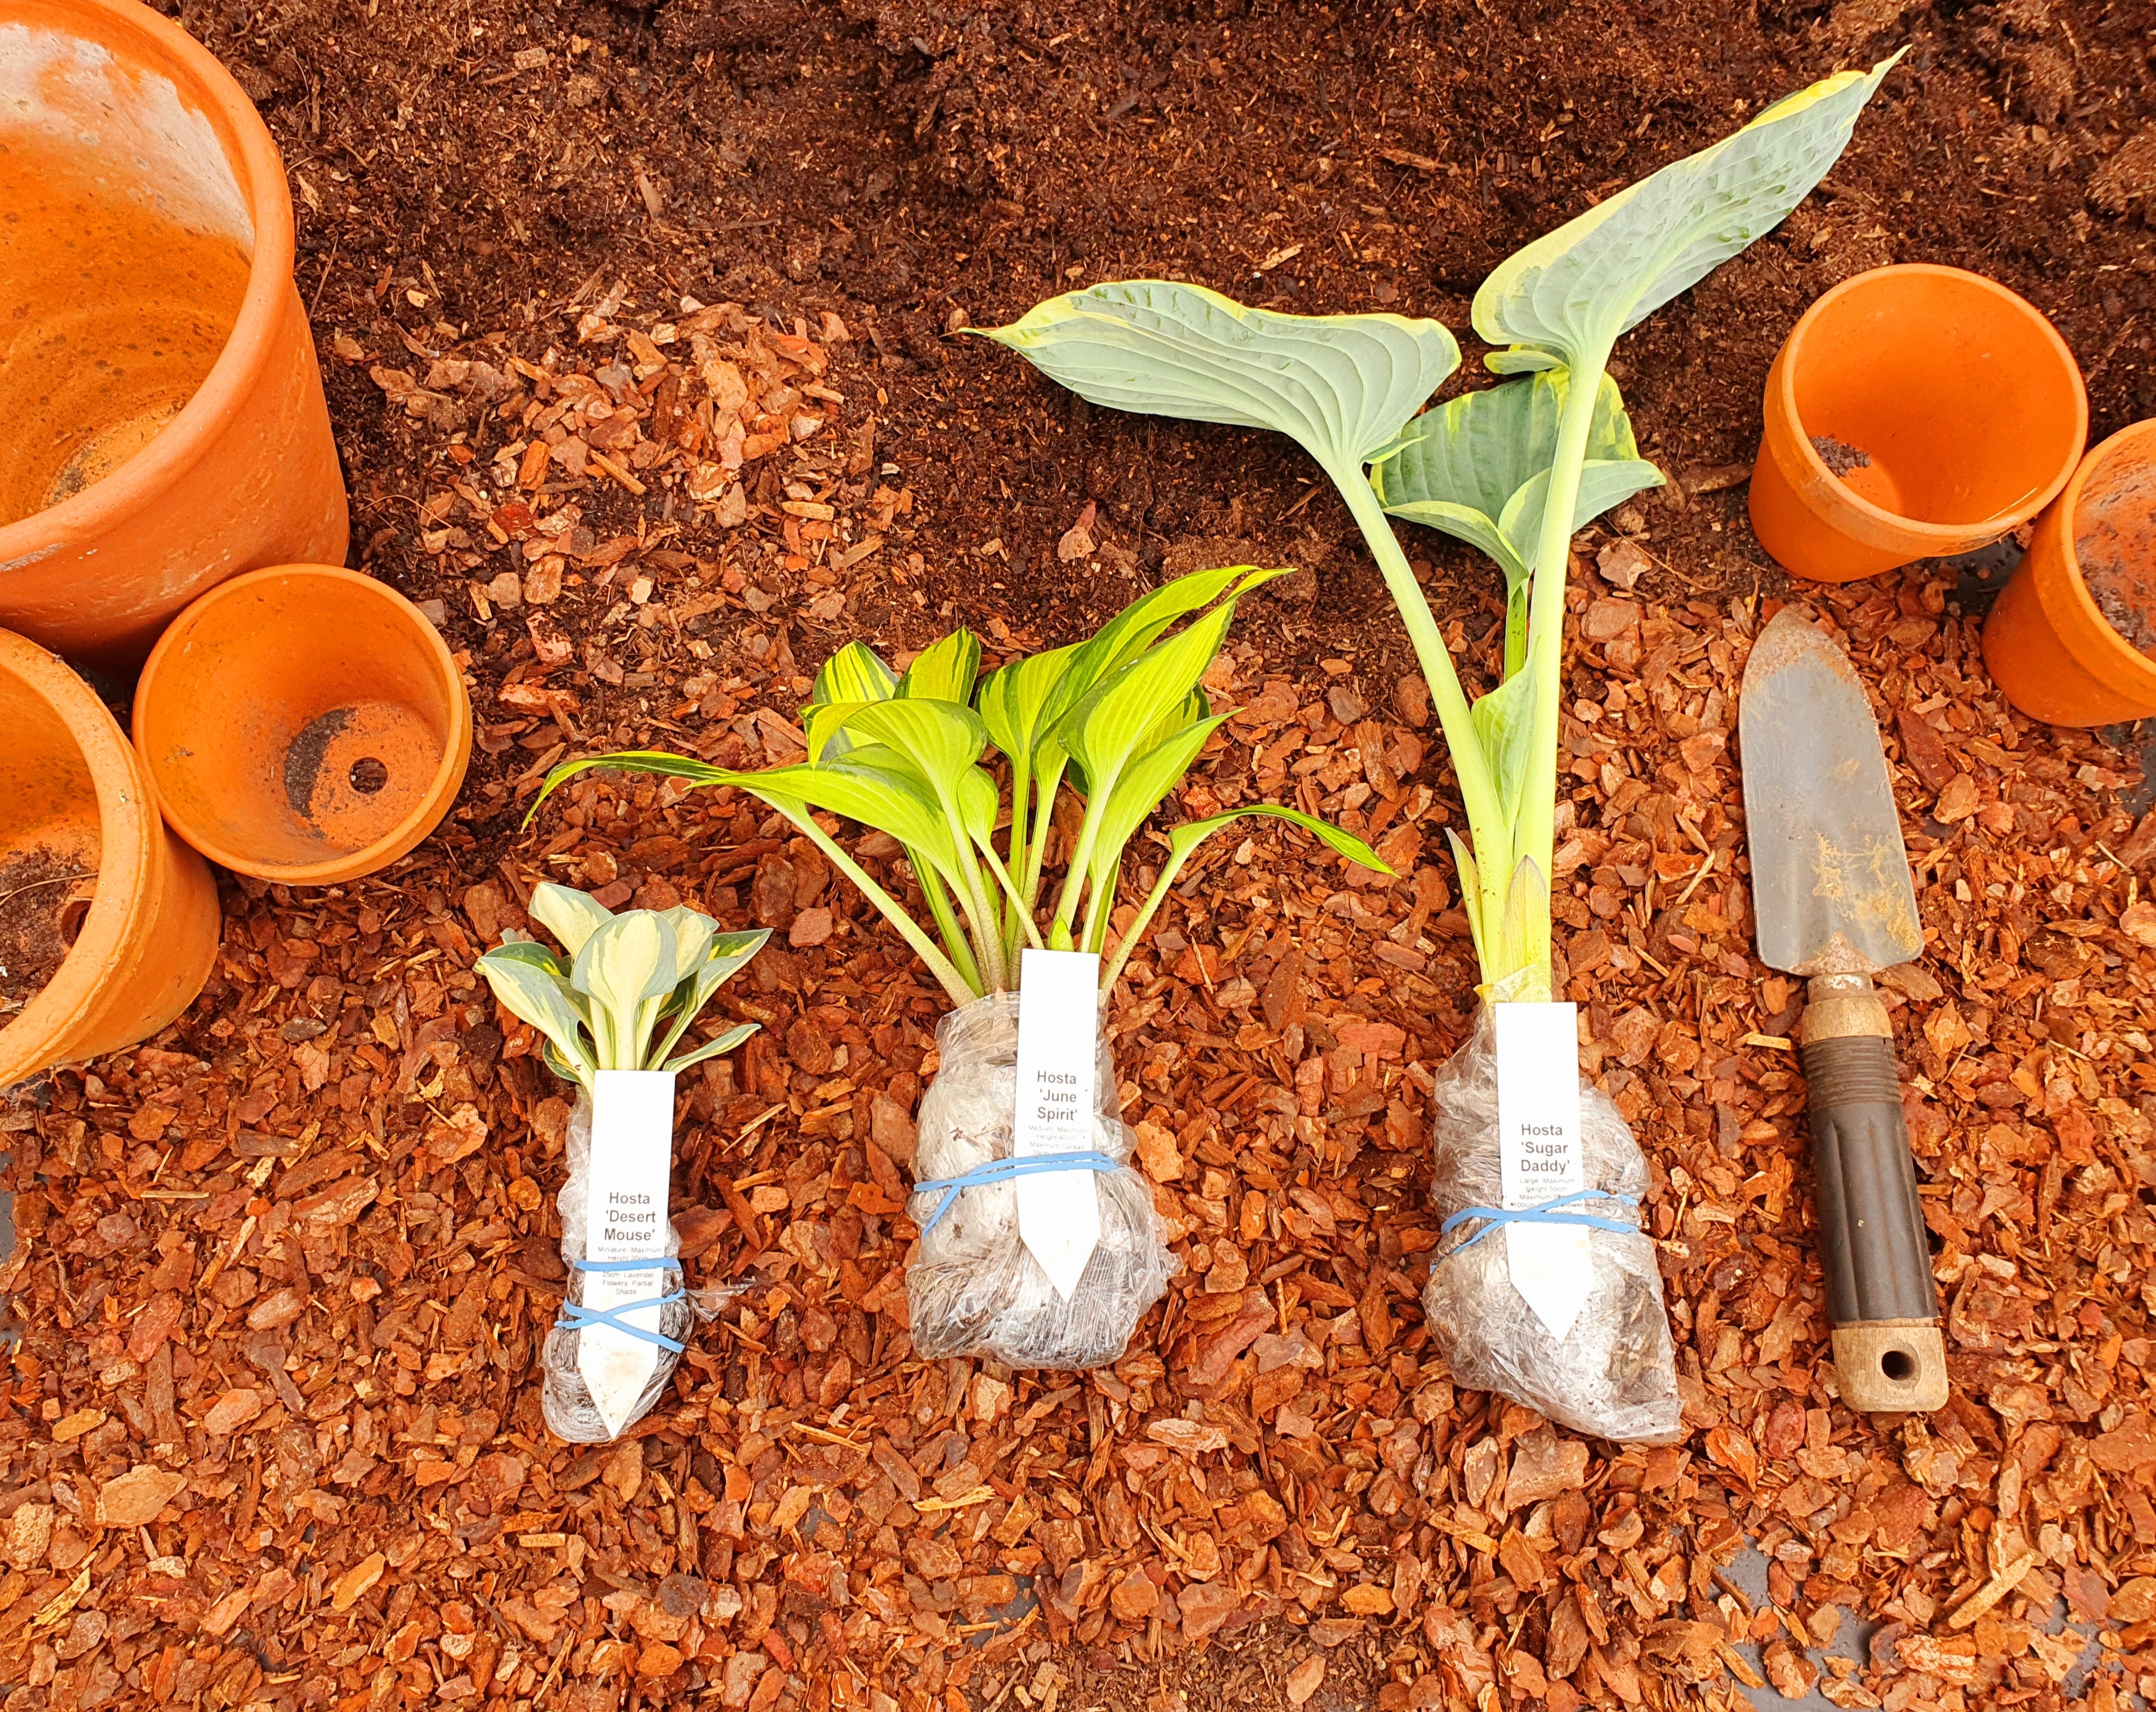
(1569, 295)
(572, 916)
(893, 798)
(944, 671)
(724, 953)
(1184, 839)
(1339, 385)
(625, 962)
(1108, 725)
(1014, 700)
(943, 738)
(1603, 485)
(1145, 782)
(538, 996)
(657, 761)
(1471, 894)
(693, 932)
(711, 1049)
(855, 674)
(517, 948)
(1504, 719)
(1463, 467)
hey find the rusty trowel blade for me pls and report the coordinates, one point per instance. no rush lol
(1829, 874)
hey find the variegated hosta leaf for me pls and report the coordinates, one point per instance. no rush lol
(540, 996)
(1461, 466)
(1339, 385)
(1107, 726)
(945, 671)
(855, 674)
(1569, 295)
(572, 916)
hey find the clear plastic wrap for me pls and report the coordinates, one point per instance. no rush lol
(974, 1288)
(570, 1412)
(1614, 1375)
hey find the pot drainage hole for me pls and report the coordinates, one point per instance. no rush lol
(353, 774)
(40, 912)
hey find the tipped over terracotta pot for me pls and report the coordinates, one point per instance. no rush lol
(303, 724)
(108, 923)
(166, 425)
(1914, 413)
(2071, 639)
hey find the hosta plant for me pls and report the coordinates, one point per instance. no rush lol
(627, 989)
(1515, 469)
(1114, 722)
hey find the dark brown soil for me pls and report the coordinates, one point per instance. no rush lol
(1839, 457)
(35, 888)
(496, 168)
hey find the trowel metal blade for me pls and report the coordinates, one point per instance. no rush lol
(1829, 874)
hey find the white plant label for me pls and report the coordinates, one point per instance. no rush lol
(1538, 1142)
(625, 1219)
(1058, 1020)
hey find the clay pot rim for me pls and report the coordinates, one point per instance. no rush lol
(1951, 537)
(126, 822)
(401, 839)
(2136, 665)
(248, 348)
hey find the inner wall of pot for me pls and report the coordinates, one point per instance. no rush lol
(2114, 525)
(49, 845)
(1936, 399)
(298, 722)
(124, 248)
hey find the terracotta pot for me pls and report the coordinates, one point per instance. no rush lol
(165, 426)
(76, 814)
(1913, 412)
(303, 723)
(2055, 646)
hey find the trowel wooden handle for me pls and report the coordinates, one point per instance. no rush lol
(1888, 1351)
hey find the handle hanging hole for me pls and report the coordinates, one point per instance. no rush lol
(1899, 1366)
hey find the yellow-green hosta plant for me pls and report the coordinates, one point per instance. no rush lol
(627, 989)
(1117, 720)
(1516, 469)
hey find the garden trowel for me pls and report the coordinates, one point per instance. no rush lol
(1831, 888)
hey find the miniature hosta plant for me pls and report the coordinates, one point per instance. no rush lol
(1516, 469)
(1114, 721)
(612, 1011)
(627, 989)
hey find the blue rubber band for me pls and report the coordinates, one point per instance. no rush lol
(576, 1317)
(997, 1170)
(1545, 1213)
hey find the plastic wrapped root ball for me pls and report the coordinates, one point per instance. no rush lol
(1613, 1373)
(572, 1411)
(974, 1288)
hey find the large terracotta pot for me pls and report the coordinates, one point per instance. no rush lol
(76, 814)
(1914, 413)
(2052, 645)
(303, 723)
(165, 420)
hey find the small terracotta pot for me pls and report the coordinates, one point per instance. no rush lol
(76, 812)
(165, 420)
(2055, 646)
(303, 723)
(1912, 413)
